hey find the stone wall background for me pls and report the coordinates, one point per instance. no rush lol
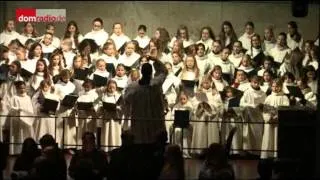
(171, 14)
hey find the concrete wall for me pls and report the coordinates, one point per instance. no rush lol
(170, 14)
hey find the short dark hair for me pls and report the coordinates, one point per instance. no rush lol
(47, 140)
(142, 27)
(17, 84)
(250, 23)
(99, 20)
(49, 25)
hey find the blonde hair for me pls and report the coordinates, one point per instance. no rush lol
(195, 68)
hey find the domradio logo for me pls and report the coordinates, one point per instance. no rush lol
(40, 15)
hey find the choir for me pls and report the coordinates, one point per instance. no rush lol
(66, 86)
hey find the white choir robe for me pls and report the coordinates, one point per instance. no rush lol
(314, 86)
(267, 46)
(69, 55)
(176, 133)
(203, 65)
(279, 54)
(226, 66)
(260, 72)
(109, 59)
(47, 49)
(252, 114)
(85, 120)
(213, 59)
(292, 44)
(24, 37)
(122, 82)
(170, 88)
(314, 63)
(11, 56)
(310, 97)
(80, 38)
(220, 84)
(244, 85)
(111, 122)
(143, 41)
(104, 74)
(6, 37)
(34, 83)
(246, 40)
(207, 44)
(100, 37)
(247, 69)
(235, 59)
(62, 89)
(7, 91)
(205, 133)
(177, 68)
(186, 43)
(265, 86)
(119, 40)
(45, 123)
(20, 127)
(129, 61)
(230, 120)
(270, 133)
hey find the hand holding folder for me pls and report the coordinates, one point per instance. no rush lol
(69, 100)
(181, 118)
(99, 80)
(25, 73)
(85, 106)
(49, 106)
(295, 91)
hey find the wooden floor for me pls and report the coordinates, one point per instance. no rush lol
(244, 169)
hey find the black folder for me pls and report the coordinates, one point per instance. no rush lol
(181, 118)
(109, 106)
(120, 89)
(188, 83)
(234, 102)
(122, 48)
(84, 106)
(80, 74)
(236, 93)
(49, 105)
(295, 91)
(25, 73)
(47, 55)
(69, 100)
(226, 77)
(99, 80)
(178, 72)
(111, 69)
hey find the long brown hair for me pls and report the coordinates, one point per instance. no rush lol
(46, 74)
(67, 33)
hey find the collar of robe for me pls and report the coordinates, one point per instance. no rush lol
(306, 90)
(278, 93)
(23, 94)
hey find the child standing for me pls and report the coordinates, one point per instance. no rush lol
(270, 115)
(45, 122)
(111, 125)
(176, 133)
(20, 127)
(252, 102)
